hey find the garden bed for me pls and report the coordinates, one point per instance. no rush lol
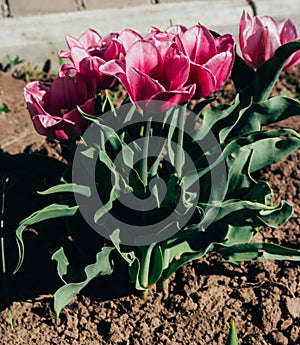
(263, 298)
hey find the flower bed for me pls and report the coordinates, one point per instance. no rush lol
(65, 128)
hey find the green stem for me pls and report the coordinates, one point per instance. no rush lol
(102, 140)
(144, 162)
(145, 264)
(163, 285)
(179, 149)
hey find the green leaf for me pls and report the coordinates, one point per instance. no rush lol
(68, 187)
(240, 68)
(232, 337)
(264, 113)
(66, 293)
(49, 212)
(238, 234)
(274, 148)
(254, 212)
(217, 118)
(198, 108)
(156, 265)
(62, 263)
(129, 257)
(134, 273)
(180, 255)
(257, 251)
(276, 145)
(267, 73)
(238, 164)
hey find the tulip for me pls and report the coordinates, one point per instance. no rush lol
(53, 109)
(172, 31)
(211, 58)
(259, 38)
(91, 51)
(153, 72)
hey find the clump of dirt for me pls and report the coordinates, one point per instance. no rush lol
(262, 297)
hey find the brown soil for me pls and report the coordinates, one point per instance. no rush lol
(263, 298)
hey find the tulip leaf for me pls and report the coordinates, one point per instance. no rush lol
(277, 144)
(215, 119)
(68, 187)
(129, 257)
(258, 251)
(65, 294)
(240, 68)
(238, 165)
(156, 266)
(48, 212)
(254, 209)
(182, 254)
(268, 72)
(264, 113)
(134, 273)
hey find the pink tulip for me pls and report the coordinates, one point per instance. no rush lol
(172, 31)
(211, 59)
(152, 72)
(91, 51)
(260, 37)
(53, 109)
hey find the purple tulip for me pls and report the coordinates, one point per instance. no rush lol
(211, 58)
(259, 38)
(153, 72)
(53, 109)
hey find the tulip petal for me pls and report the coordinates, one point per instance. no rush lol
(35, 89)
(176, 69)
(220, 66)
(287, 31)
(143, 56)
(293, 60)
(176, 29)
(164, 101)
(55, 127)
(116, 68)
(260, 47)
(128, 37)
(62, 96)
(89, 38)
(198, 43)
(66, 69)
(73, 42)
(64, 54)
(225, 43)
(142, 87)
(245, 26)
(77, 54)
(204, 80)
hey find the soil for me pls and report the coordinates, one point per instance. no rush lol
(263, 298)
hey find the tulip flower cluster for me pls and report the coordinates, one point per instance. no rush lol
(157, 182)
(172, 66)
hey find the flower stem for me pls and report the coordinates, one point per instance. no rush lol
(179, 149)
(163, 285)
(145, 149)
(145, 264)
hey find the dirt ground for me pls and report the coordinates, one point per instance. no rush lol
(263, 298)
